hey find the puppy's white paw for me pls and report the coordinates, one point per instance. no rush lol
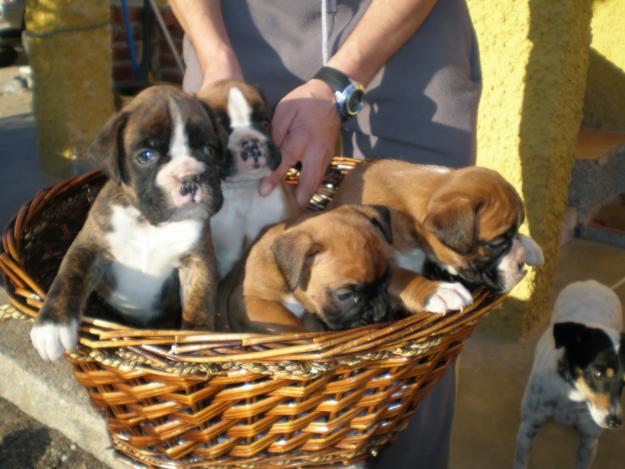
(52, 340)
(533, 252)
(449, 296)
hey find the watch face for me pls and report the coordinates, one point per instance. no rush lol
(355, 101)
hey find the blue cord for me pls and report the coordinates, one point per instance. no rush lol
(130, 40)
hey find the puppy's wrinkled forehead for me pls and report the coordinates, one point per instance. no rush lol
(501, 208)
(156, 117)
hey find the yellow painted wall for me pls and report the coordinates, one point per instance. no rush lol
(604, 104)
(69, 48)
(534, 62)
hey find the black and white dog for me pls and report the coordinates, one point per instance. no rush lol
(145, 246)
(251, 155)
(578, 371)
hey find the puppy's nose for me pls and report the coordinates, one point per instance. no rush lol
(251, 148)
(613, 421)
(189, 184)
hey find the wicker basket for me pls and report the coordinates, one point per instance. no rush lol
(198, 399)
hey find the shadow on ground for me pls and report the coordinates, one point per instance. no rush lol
(23, 448)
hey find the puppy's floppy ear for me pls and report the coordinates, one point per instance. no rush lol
(568, 333)
(106, 152)
(293, 252)
(380, 217)
(452, 219)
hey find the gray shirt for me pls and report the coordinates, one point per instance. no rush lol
(422, 106)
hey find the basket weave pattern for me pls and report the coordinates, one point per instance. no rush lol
(200, 399)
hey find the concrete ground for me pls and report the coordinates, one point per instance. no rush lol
(493, 369)
(26, 443)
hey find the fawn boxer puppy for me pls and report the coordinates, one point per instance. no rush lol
(143, 247)
(334, 265)
(464, 222)
(251, 155)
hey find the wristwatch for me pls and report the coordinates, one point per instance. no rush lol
(349, 94)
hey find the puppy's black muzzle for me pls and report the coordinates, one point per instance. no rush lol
(371, 309)
(251, 148)
(480, 274)
(209, 183)
(613, 421)
(189, 185)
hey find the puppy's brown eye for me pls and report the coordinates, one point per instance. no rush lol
(145, 156)
(207, 150)
(265, 123)
(598, 373)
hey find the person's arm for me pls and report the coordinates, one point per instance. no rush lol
(306, 123)
(383, 29)
(203, 23)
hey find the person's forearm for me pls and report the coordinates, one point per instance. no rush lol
(203, 23)
(383, 29)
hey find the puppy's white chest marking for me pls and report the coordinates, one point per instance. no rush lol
(243, 215)
(145, 256)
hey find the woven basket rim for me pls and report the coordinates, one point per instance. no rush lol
(176, 351)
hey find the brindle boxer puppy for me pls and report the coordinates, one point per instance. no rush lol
(251, 155)
(464, 222)
(143, 245)
(334, 265)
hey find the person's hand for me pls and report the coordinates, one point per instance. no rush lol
(305, 126)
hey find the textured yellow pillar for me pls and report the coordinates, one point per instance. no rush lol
(534, 61)
(604, 104)
(69, 48)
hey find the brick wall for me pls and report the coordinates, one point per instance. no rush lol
(162, 62)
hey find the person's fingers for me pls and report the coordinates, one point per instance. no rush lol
(314, 165)
(291, 151)
(269, 183)
(282, 119)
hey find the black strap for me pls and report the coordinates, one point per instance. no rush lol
(336, 80)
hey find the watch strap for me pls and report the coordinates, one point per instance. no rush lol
(335, 79)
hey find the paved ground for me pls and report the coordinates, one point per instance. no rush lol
(26, 444)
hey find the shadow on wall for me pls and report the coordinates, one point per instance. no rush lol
(605, 94)
(551, 115)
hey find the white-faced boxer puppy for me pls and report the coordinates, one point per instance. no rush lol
(579, 369)
(463, 222)
(333, 265)
(251, 155)
(143, 247)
